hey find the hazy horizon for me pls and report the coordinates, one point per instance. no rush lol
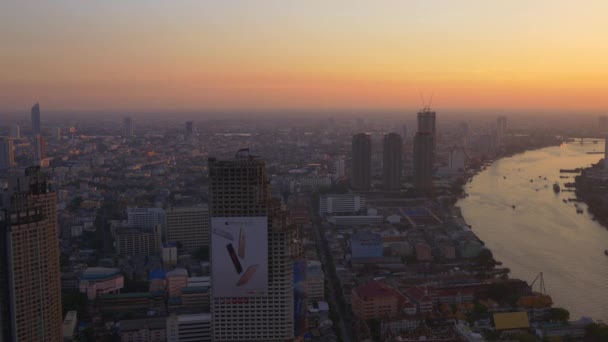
(158, 56)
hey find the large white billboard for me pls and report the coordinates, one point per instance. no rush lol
(239, 256)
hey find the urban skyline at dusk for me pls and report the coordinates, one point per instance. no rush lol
(324, 171)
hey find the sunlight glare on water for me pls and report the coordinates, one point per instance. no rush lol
(542, 233)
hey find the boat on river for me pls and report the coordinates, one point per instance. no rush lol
(556, 187)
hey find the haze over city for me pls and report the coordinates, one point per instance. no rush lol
(272, 171)
(251, 55)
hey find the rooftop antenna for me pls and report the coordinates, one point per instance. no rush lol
(426, 106)
(430, 101)
(422, 99)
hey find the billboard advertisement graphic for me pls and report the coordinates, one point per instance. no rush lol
(239, 256)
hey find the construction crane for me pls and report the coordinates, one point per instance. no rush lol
(541, 283)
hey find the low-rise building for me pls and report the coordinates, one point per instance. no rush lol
(169, 253)
(147, 329)
(69, 325)
(142, 241)
(376, 300)
(176, 281)
(100, 280)
(193, 327)
(366, 245)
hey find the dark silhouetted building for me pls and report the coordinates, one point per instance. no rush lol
(128, 127)
(425, 143)
(423, 161)
(30, 275)
(189, 129)
(36, 119)
(391, 166)
(426, 123)
(361, 173)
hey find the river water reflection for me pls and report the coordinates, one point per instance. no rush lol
(542, 233)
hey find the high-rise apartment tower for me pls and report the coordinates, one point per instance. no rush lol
(391, 166)
(361, 172)
(30, 275)
(252, 250)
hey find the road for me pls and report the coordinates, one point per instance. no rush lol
(334, 296)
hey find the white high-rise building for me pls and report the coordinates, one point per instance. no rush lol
(252, 254)
(341, 204)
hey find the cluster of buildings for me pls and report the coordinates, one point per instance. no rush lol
(162, 233)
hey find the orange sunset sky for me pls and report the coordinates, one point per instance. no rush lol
(142, 55)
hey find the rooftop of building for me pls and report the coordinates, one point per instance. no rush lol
(157, 274)
(99, 273)
(154, 323)
(511, 320)
(131, 295)
(366, 236)
(195, 289)
(376, 289)
(178, 272)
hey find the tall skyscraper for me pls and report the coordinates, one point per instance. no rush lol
(404, 133)
(128, 126)
(252, 248)
(424, 157)
(425, 143)
(501, 124)
(391, 166)
(377, 156)
(426, 123)
(501, 130)
(189, 129)
(189, 226)
(30, 276)
(36, 119)
(7, 153)
(14, 132)
(361, 173)
(39, 148)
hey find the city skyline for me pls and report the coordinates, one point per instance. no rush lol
(236, 56)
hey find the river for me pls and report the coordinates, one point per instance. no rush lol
(542, 233)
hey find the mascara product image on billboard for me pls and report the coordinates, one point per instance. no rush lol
(239, 256)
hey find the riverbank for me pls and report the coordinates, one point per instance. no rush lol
(591, 189)
(543, 233)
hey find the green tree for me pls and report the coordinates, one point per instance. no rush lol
(595, 332)
(486, 259)
(559, 314)
(75, 301)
